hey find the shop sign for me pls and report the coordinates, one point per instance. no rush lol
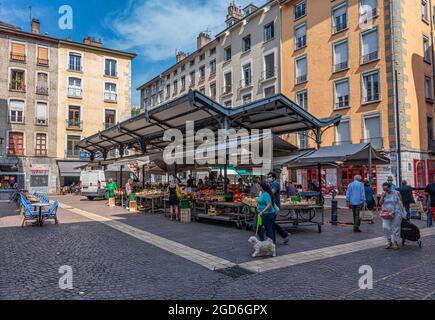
(86, 155)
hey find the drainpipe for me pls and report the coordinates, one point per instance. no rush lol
(395, 98)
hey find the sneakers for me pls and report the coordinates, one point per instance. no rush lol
(286, 239)
(389, 245)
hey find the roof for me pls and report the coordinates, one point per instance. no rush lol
(277, 113)
(46, 38)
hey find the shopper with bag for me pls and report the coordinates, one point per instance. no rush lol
(391, 214)
(355, 198)
(174, 200)
(266, 213)
(275, 186)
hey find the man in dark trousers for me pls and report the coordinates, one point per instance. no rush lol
(430, 196)
(407, 196)
(275, 186)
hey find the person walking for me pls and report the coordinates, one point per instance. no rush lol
(430, 203)
(390, 180)
(355, 198)
(406, 192)
(370, 195)
(128, 192)
(290, 189)
(275, 186)
(266, 213)
(391, 215)
(174, 201)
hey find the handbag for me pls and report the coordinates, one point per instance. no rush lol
(366, 215)
(387, 214)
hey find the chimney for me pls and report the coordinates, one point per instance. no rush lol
(92, 42)
(234, 15)
(202, 40)
(36, 26)
(180, 56)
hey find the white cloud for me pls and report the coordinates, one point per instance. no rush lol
(156, 29)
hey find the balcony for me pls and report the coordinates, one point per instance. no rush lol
(301, 42)
(269, 73)
(42, 90)
(201, 79)
(74, 92)
(343, 102)
(377, 143)
(17, 86)
(246, 83)
(74, 124)
(339, 27)
(16, 119)
(301, 79)
(372, 56)
(110, 97)
(41, 152)
(42, 62)
(228, 89)
(19, 151)
(72, 154)
(16, 57)
(341, 66)
(41, 121)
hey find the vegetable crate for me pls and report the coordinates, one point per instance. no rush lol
(185, 215)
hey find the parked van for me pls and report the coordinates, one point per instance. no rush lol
(93, 184)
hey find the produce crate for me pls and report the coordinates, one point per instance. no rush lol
(185, 215)
(112, 202)
(133, 206)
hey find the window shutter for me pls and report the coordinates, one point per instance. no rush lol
(43, 53)
(41, 111)
(18, 48)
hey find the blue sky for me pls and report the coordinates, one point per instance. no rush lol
(154, 29)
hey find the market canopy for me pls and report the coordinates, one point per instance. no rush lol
(355, 153)
(145, 132)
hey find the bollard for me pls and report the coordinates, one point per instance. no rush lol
(334, 209)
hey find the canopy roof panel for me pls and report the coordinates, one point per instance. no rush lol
(145, 131)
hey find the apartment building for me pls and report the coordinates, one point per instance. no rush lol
(343, 57)
(55, 92)
(239, 65)
(94, 94)
(28, 108)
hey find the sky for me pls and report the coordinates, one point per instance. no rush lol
(154, 29)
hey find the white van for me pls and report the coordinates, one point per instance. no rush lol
(93, 184)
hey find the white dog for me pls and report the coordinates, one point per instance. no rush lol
(262, 248)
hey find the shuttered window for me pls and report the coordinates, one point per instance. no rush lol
(18, 51)
(43, 55)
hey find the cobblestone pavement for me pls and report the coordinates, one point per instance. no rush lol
(111, 264)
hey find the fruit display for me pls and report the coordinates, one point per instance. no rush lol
(250, 201)
(150, 192)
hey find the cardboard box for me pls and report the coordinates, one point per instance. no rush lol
(112, 202)
(132, 206)
(185, 215)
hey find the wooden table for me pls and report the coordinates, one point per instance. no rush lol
(40, 216)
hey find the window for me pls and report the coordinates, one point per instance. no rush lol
(341, 94)
(192, 79)
(368, 8)
(109, 118)
(371, 87)
(424, 10)
(75, 62)
(426, 49)
(110, 68)
(430, 138)
(183, 83)
(175, 73)
(339, 18)
(42, 59)
(246, 75)
(269, 91)
(372, 131)
(342, 133)
(41, 113)
(183, 68)
(16, 144)
(269, 32)
(212, 51)
(202, 90)
(246, 45)
(41, 145)
(369, 46)
(168, 90)
(42, 83)
(247, 98)
(228, 103)
(301, 70)
(300, 9)
(74, 120)
(227, 54)
(213, 90)
(18, 82)
(202, 57)
(227, 83)
(175, 86)
(72, 148)
(340, 56)
(302, 101)
(75, 87)
(300, 36)
(192, 62)
(202, 74)
(16, 111)
(269, 67)
(18, 52)
(213, 67)
(428, 88)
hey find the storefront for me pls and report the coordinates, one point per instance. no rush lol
(39, 178)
